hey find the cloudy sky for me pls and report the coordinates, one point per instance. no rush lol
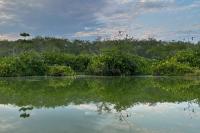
(89, 19)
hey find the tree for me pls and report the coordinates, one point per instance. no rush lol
(24, 35)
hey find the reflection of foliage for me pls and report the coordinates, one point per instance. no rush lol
(103, 107)
(121, 93)
(24, 113)
(25, 109)
(190, 108)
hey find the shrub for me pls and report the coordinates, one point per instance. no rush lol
(32, 64)
(80, 63)
(9, 67)
(96, 66)
(27, 64)
(191, 58)
(58, 59)
(60, 71)
(171, 68)
(116, 65)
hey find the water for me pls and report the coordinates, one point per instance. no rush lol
(100, 105)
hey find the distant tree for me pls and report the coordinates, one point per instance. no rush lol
(24, 35)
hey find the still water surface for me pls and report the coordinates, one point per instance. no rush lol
(100, 105)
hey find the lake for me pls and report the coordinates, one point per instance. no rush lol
(100, 105)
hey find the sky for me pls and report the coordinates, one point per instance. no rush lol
(91, 19)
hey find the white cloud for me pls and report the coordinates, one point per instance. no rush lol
(120, 15)
(91, 107)
(11, 37)
(103, 18)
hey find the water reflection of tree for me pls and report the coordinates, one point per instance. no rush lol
(23, 111)
(121, 92)
(103, 107)
(190, 109)
(108, 108)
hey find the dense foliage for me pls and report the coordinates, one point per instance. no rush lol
(117, 64)
(60, 71)
(27, 64)
(79, 63)
(151, 48)
(171, 68)
(191, 58)
(59, 57)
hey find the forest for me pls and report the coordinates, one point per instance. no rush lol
(48, 56)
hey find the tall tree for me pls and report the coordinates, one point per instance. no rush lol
(24, 34)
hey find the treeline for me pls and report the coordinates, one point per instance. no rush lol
(60, 57)
(151, 48)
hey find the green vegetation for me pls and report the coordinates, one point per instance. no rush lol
(60, 71)
(117, 64)
(191, 58)
(60, 57)
(122, 92)
(26, 64)
(171, 68)
(79, 63)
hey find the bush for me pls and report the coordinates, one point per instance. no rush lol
(9, 67)
(191, 58)
(80, 63)
(116, 65)
(27, 64)
(60, 71)
(58, 59)
(32, 64)
(171, 68)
